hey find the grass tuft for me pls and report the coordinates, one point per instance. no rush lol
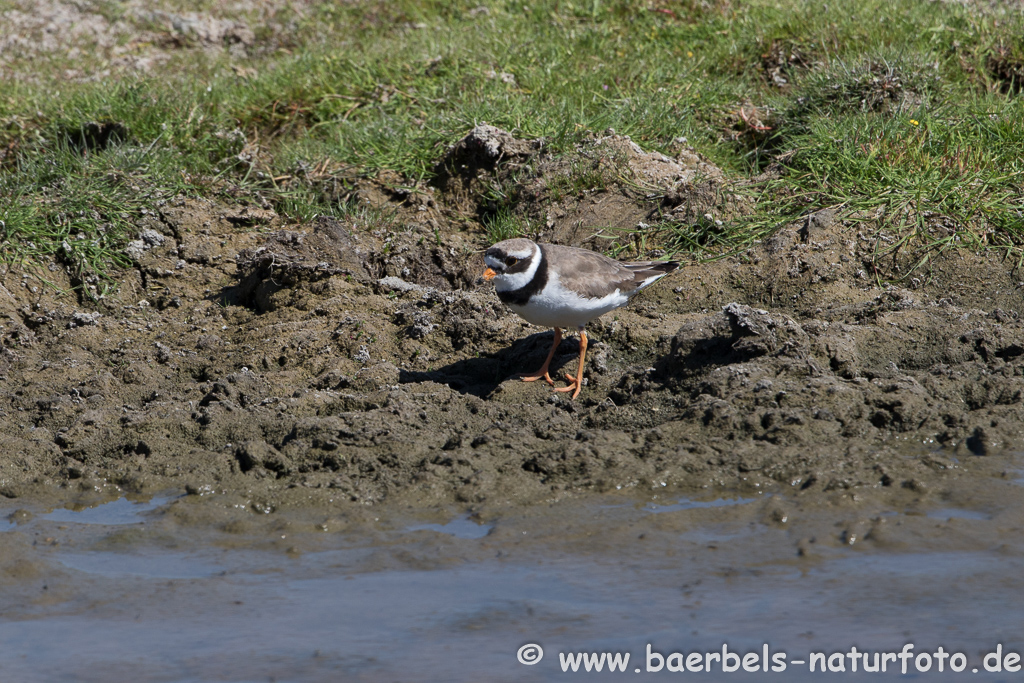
(505, 225)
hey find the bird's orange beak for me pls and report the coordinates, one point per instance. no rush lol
(488, 274)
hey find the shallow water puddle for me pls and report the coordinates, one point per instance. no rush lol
(460, 527)
(956, 513)
(121, 591)
(687, 504)
(120, 511)
(151, 566)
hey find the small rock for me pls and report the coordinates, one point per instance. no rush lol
(397, 284)
(80, 319)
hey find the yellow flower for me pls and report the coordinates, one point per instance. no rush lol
(914, 123)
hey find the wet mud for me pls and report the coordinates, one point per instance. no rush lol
(356, 360)
(169, 588)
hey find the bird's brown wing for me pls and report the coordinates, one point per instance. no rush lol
(595, 276)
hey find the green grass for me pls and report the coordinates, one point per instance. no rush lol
(893, 109)
(934, 165)
(504, 225)
(81, 210)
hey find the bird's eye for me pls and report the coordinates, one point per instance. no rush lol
(511, 261)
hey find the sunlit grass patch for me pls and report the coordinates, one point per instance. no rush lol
(963, 162)
(905, 111)
(81, 209)
(504, 225)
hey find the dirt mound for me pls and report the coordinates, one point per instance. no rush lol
(594, 195)
(356, 359)
(609, 184)
(469, 167)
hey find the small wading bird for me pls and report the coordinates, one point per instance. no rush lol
(555, 286)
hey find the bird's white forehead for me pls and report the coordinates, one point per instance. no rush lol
(521, 253)
(498, 253)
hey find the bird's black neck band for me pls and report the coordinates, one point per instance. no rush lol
(519, 297)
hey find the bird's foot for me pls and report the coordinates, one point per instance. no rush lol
(574, 386)
(533, 377)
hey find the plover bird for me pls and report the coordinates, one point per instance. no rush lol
(556, 286)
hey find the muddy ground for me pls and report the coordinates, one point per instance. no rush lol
(85, 41)
(358, 360)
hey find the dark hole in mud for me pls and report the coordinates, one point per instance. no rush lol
(1007, 69)
(96, 135)
(202, 374)
(977, 443)
(1010, 352)
(880, 419)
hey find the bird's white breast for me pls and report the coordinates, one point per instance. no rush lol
(557, 306)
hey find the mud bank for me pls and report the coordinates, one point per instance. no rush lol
(356, 359)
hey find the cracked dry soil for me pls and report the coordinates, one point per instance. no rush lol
(357, 360)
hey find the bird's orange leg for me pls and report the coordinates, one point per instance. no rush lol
(576, 383)
(543, 372)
